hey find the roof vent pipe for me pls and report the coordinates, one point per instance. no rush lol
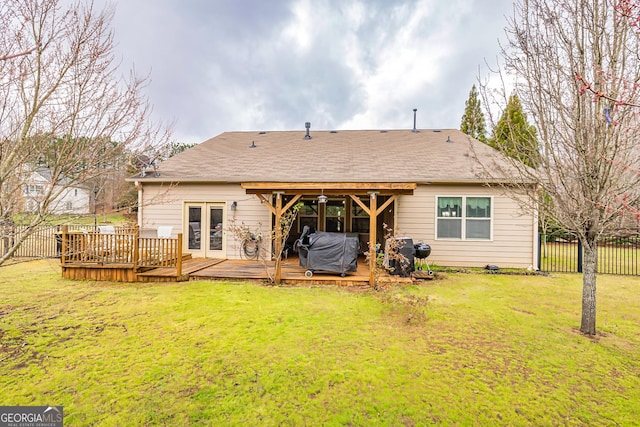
(307, 125)
(414, 120)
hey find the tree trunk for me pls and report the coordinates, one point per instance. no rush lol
(590, 264)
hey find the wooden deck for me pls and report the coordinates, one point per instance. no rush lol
(292, 273)
(224, 269)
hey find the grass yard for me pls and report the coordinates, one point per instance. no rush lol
(471, 349)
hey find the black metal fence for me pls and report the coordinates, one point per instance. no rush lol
(561, 252)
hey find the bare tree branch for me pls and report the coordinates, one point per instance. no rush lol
(15, 55)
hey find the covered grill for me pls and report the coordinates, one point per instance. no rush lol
(400, 256)
(327, 252)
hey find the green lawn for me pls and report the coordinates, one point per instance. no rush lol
(471, 349)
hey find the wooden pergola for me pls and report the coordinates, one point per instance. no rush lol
(265, 191)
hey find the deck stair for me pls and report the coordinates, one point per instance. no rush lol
(168, 274)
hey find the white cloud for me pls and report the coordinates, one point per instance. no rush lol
(299, 31)
(246, 65)
(406, 62)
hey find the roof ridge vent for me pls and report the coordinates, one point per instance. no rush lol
(307, 125)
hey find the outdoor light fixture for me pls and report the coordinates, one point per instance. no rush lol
(234, 205)
(322, 198)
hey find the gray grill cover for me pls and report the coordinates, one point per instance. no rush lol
(328, 252)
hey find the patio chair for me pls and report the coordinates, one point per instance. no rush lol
(107, 229)
(155, 252)
(102, 244)
(165, 231)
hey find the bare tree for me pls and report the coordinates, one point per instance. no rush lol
(63, 106)
(589, 163)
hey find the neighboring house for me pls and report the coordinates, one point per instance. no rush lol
(73, 200)
(425, 184)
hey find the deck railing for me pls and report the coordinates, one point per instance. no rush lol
(159, 251)
(124, 248)
(44, 241)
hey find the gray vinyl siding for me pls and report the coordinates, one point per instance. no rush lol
(512, 243)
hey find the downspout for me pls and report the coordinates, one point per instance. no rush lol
(138, 185)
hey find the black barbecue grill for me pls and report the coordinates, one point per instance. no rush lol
(422, 252)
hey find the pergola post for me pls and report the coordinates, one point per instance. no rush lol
(373, 227)
(278, 211)
(278, 226)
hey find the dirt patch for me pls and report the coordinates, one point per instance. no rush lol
(408, 309)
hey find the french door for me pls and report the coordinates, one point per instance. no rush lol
(205, 229)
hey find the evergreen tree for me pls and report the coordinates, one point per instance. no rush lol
(473, 119)
(514, 136)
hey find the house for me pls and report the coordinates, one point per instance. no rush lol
(425, 184)
(72, 200)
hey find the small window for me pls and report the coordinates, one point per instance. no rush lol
(75, 192)
(450, 217)
(69, 206)
(473, 222)
(478, 218)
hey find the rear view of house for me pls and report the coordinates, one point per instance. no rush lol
(427, 185)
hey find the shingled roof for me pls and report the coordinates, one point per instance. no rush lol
(425, 156)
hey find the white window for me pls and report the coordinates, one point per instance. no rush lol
(463, 217)
(69, 206)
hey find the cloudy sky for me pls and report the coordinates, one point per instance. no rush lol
(226, 65)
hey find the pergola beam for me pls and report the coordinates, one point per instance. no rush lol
(329, 188)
